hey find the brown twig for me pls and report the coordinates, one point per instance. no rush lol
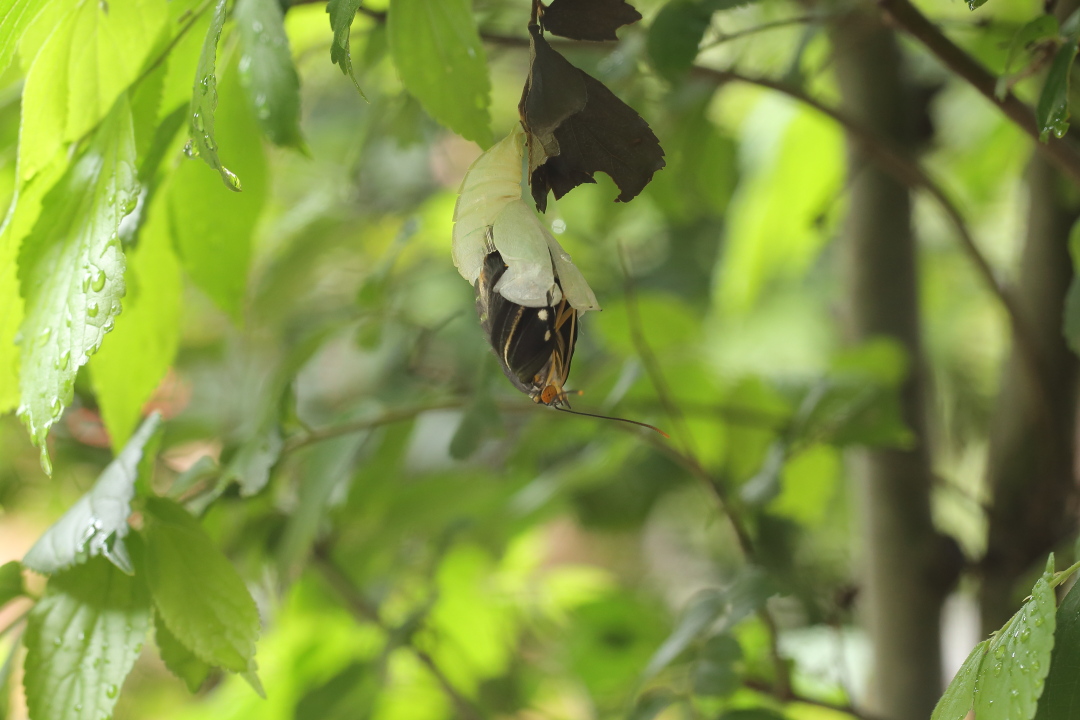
(763, 687)
(906, 16)
(364, 611)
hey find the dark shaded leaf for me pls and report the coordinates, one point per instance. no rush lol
(1061, 696)
(481, 416)
(714, 673)
(554, 91)
(11, 582)
(651, 704)
(752, 714)
(1071, 321)
(267, 72)
(588, 19)
(674, 36)
(1052, 111)
(204, 98)
(606, 135)
(82, 640)
(347, 695)
(341, 14)
(178, 658)
(97, 523)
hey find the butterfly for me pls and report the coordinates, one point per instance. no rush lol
(534, 344)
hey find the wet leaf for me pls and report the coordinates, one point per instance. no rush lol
(1052, 110)
(342, 13)
(1012, 675)
(438, 54)
(588, 19)
(204, 98)
(960, 695)
(267, 72)
(97, 523)
(131, 365)
(606, 135)
(71, 270)
(1062, 693)
(82, 639)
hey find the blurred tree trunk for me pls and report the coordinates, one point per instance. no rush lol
(903, 584)
(1030, 461)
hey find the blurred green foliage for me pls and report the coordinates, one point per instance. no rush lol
(421, 541)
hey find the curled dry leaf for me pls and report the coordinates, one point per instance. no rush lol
(578, 127)
(587, 19)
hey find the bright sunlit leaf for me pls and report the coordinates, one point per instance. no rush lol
(82, 639)
(204, 100)
(97, 523)
(71, 269)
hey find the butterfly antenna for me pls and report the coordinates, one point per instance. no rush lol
(609, 417)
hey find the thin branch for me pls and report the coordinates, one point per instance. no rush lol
(904, 15)
(364, 611)
(763, 687)
(765, 27)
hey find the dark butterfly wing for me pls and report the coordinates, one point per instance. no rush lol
(534, 345)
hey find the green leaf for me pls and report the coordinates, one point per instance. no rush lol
(480, 417)
(204, 99)
(975, 4)
(219, 623)
(1052, 110)
(82, 639)
(1071, 320)
(15, 17)
(179, 659)
(97, 523)
(267, 71)
(348, 694)
(701, 612)
(252, 464)
(89, 60)
(651, 704)
(212, 226)
(714, 673)
(20, 219)
(129, 367)
(1042, 27)
(439, 56)
(675, 34)
(71, 270)
(1062, 692)
(1012, 675)
(752, 714)
(960, 695)
(342, 13)
(11, 582)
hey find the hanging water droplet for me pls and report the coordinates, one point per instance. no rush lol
(1025, 634)
(190, 151)
(1038, 621)
(43, 336)
(57, 642)
(1036, 666)
(205, 82)
(230, 176)
(109, 325)
(92, 310)
(97, 283)
(997, 668)
(111, 691)
(43, 458)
